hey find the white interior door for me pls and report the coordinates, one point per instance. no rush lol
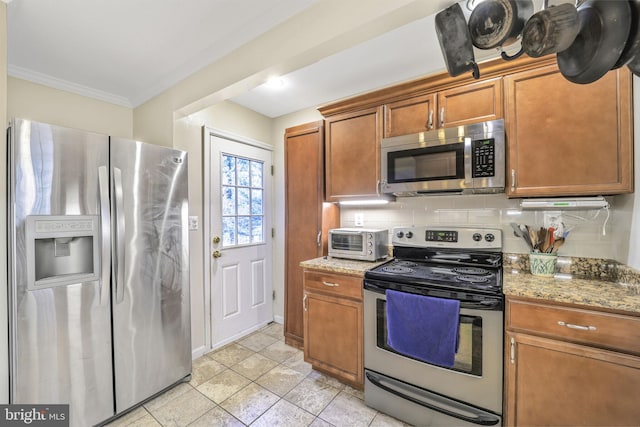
(240, 238)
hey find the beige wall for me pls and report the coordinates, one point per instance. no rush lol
(4, 351)
(33, 101)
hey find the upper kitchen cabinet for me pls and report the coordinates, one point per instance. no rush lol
(307, 219)
(461, 105)
(566, 139)
(352, 153)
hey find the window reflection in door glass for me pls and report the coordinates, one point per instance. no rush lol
(242, 201)
(228, 170)
(243, 172)
(229, 231)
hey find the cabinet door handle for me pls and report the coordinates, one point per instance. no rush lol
(304, 302)
(430, 120)
(319, 238)
(513, 180)
(333, 285)
(578, 327)
(442, 117)
(512, 351)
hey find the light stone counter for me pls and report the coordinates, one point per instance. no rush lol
(344, 266)
(609, 294)
(566, 289)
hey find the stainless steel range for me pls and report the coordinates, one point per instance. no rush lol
(461, 269)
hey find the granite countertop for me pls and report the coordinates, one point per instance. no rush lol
(593, 283)
(338, 265)
(588, 292)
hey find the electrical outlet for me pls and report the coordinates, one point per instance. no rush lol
(554, 219)
(359, 217)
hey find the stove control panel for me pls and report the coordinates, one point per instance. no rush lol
(448, 237)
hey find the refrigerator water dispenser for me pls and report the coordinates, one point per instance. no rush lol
(62, 250)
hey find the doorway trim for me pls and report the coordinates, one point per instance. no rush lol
(207, 132)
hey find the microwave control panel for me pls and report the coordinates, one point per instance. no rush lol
(483, 158)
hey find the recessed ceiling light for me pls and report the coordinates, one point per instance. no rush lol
(275, 82)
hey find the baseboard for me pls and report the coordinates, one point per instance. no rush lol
(279, 319)
(198, 352)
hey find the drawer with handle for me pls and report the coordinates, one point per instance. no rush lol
(596, 328)
(335, 284)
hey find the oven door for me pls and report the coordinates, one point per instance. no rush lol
(476, 377)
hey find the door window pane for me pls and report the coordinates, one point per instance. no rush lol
(256, 201)
(256, 229)
(228, 231)
(256, 174)
(243, 172)
(242, 201)
(228, 200)
(228, 170)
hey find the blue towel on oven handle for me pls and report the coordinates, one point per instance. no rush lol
(423, 327)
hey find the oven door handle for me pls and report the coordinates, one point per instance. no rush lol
(481, 417)
(493, 304)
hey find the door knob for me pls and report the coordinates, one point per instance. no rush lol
(217, 254)
(216, 239)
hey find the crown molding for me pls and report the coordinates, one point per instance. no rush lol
(67, 86)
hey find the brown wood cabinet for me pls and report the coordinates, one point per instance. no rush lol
(353, 154)
(333, 325)
(307, 219)
(461, 105)
(563, 139)
(567, 139)
(563, 367)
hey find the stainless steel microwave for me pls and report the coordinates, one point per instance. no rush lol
(462, 159)
(359, 243)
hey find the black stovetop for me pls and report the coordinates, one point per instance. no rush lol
(479, 271)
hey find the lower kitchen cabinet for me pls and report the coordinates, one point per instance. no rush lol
(563, 367)
(333, 331)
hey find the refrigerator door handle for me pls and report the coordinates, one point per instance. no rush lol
(120, 233)
(105, 220)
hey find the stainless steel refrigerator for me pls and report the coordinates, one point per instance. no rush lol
(98, 265)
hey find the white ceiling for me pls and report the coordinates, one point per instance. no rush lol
(128, 51)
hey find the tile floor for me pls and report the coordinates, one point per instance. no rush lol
(258, 381)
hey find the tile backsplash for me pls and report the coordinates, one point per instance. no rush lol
(593, 233)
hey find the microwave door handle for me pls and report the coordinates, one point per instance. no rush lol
(467, 161)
